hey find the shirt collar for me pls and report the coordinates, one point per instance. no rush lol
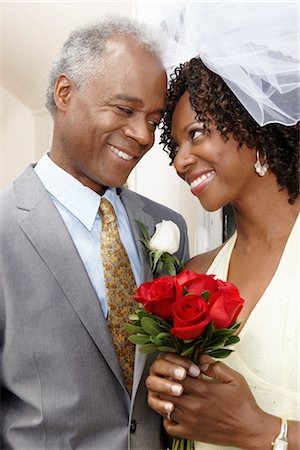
(80, 200)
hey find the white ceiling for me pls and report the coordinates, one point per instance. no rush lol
(32, 34)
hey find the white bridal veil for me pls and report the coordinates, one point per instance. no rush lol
(253, 46)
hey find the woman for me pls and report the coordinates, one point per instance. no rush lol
(228, 158)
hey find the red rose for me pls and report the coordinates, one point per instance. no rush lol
(225, 305)
(190, 316)
(195, 283)
(158, 296)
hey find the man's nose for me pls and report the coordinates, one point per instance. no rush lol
(140, 130)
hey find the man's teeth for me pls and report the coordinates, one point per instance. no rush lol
(200, 179)
(121, 154)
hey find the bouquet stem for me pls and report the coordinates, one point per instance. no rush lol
(182, 444)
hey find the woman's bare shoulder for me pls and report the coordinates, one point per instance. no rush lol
(200, 263)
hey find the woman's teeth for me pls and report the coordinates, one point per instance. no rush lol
(121, 154)
(200, 179)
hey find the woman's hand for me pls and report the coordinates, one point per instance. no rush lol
(220, 409)
(162, 382)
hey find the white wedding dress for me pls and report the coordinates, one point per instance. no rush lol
(268, 352)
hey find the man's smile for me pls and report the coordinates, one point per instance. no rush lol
(120, 153)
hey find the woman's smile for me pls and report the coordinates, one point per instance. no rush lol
(198, 184)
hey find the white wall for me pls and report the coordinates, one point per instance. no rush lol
(43, 128)
(17, 137)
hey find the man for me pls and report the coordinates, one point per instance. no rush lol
(62, 385)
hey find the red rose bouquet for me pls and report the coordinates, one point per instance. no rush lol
(189, 314)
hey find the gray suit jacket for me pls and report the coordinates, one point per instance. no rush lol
(61, 382)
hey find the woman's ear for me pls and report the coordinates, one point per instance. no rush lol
(62, 92)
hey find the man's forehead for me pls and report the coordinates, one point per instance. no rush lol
(118, 46)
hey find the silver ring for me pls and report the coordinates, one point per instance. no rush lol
(169, 415)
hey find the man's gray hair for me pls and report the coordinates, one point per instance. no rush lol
(81, 54)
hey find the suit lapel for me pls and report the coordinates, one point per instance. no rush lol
(136, 210)
(44, 227)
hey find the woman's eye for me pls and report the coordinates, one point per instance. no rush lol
(194, 134)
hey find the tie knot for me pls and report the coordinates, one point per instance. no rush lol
(107, 211)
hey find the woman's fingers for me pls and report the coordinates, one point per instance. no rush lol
(174, 366)
(160, 405)
(163, 383)
(163, 386)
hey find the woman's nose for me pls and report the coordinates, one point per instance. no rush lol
(183, 160)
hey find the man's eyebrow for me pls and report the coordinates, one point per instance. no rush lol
(136, 100)
(129, 98)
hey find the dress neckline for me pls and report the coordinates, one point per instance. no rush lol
(220, 266)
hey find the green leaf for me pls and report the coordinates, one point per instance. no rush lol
(134, 329)
(168, 259)
(232, 340)
(157, 256)
(216, 343)
(145, 242)
(134, 317)
(151, 258)
(150, 326)
(148, 348)
(155, 340)
(188, 351)
(167, 349)
(139, 339)
(205, 295)
(208, 332)
(142, 313)
(219, 353)
(143, 230)
(170, 269)
(235, 326)
(165, 262)
(165, 337)
(172, 259)
(159, 267)
(164, 326)
(178, 262)
(223, 332)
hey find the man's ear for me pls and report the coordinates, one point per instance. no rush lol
(62, 92)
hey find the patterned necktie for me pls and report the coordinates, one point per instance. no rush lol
(120, 286)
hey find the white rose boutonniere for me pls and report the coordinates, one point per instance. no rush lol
(166, 237)
(162, 246)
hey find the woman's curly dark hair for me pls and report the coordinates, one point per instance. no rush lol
(213, 101)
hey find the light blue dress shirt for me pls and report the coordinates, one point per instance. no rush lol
(78, 206)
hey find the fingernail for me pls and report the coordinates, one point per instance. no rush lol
(194, 371)
(169, 407)
(204, 367)
(176, 389)
(179, 373)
